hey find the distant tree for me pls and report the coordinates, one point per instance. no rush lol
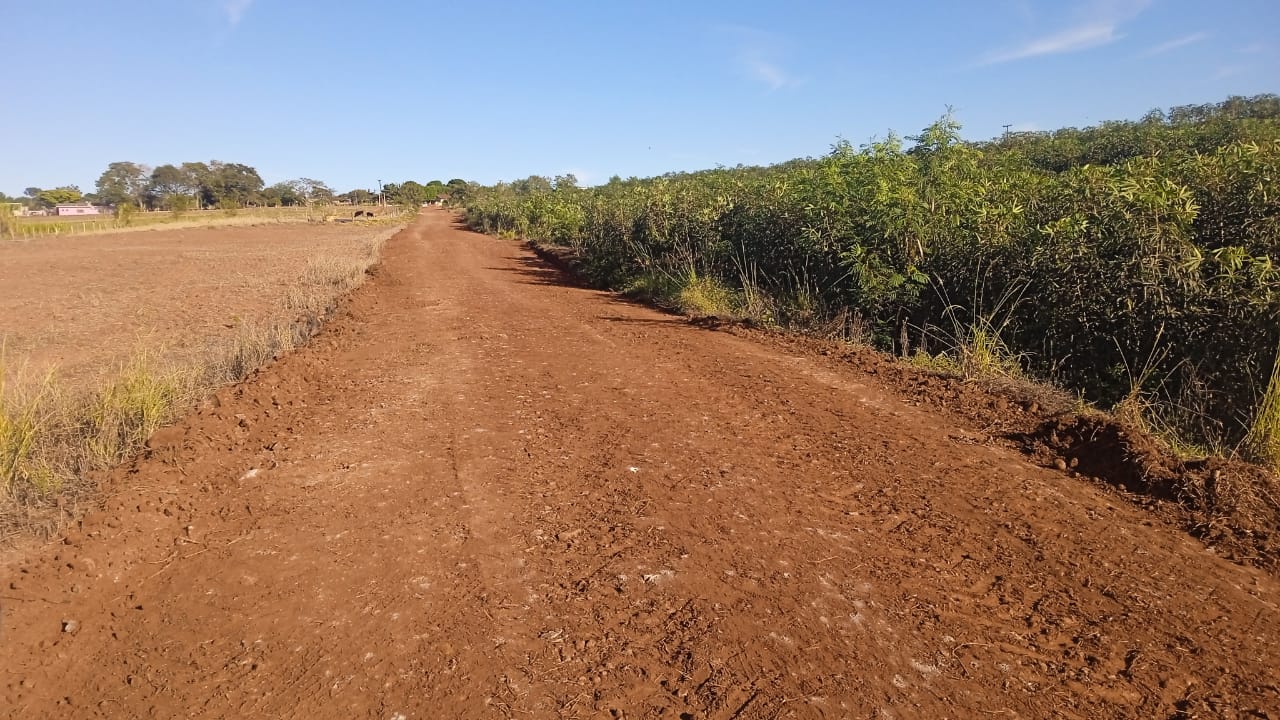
(32, 192)
(168, 183)
(60, 195)
(314, 191)
(390, 191)
(225, 184)
(282, 194)
(408, 193)
(568, 181)
(178, 204)
(358, 197)
(123, 182)
(532, 185)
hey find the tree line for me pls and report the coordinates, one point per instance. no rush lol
(216, 184)
(1136, 262)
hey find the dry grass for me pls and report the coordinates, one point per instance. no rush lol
(53, 435)
(8, 221)
(27, 228)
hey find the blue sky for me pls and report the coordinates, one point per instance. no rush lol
(354, 92)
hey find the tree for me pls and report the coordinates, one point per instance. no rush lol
(358, 197)
(167, 184)
(123, 182)
(408, 193)
(531, 185)
(60, 195)
(391, 191)
(225, 184)
(282, 194)
(314, 191)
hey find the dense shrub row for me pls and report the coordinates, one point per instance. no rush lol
(1134, 261)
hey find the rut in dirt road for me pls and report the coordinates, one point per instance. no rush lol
(482, 492)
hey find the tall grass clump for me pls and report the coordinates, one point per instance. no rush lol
(1263, 441)
(1158, 237)
(8, 221)
(23, 423)
(120, 417)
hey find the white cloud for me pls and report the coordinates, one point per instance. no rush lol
(1174, 44)
(1095, 24)
(1066, 41)
(235, 10)
(757, 56)
(768, 73)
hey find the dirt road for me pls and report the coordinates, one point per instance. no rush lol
(484, 493)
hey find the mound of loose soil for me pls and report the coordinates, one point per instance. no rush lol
(1229, 504)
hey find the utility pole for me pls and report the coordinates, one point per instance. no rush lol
(1006, 132)
(380, 193)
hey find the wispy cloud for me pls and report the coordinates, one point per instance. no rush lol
(235, 10)
(758, 55)
(768, 73)
(1174, 44)
(1066, 41)
(1096, 24)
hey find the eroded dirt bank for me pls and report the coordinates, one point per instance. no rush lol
(484, 493)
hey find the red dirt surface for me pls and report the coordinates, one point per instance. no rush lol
(482, 492)
(83, 304)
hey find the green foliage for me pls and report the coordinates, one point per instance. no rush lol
(303, 191)
(59, 196)
(124, 214)
(409, 193)
(359, 197)
(1115, 240)
(123, 183)
(1263, 440)
(168, 181)
(178, 204)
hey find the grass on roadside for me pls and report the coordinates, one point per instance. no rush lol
(1263, 441)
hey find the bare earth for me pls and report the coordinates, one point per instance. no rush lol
(485, 493)
(84, 304)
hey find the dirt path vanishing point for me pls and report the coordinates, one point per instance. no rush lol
(485, 493)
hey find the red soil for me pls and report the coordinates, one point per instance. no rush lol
(482, 492)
